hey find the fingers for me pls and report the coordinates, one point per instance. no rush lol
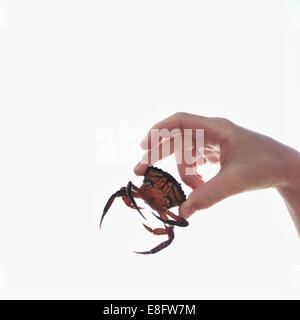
(187, 171)
(159, 152)
(220, 187)
(216, 131)
(179, 121)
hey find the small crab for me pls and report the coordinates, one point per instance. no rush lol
(161, 192)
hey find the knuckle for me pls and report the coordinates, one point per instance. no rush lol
(224, 122)
(225, 125)
(179, 115)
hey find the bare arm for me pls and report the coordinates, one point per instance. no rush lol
(291, 190)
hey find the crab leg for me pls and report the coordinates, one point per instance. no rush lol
(170, 232)
(128, 201)
(121, 193)
(157, 231)
(129, 188)
(178, 221)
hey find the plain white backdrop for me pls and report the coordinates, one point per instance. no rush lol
(71, 70)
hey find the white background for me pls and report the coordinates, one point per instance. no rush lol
(70, 70)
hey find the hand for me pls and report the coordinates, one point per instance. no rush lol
(248, 161)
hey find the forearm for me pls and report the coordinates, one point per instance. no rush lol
(291, 190)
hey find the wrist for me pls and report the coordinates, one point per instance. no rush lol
(291, 181)
(290, 190)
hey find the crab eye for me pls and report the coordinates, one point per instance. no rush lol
(147, 183)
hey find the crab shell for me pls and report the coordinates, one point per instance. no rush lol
(161, 190)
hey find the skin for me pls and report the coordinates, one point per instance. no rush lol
(248, 161)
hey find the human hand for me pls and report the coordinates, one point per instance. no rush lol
(248, 161)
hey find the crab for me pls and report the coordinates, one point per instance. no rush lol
(161, 192)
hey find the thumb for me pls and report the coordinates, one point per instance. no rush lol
(218, 188)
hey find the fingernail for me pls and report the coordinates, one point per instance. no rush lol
(137, 167)
(140, 169)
